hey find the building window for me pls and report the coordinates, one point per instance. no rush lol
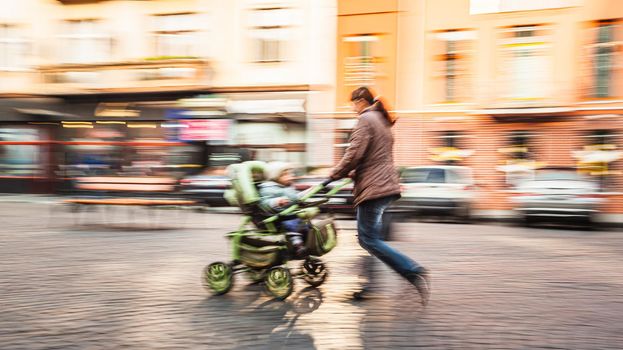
(449, 150)
(598, 156)
(526, 63)
(453, 57)
(519, 163)
(602, 139)
(13, 48)
(360, 67)
(519, 142)
(270, 29)
(85, 41)
(175, 35)
(19, 160)
(602, 58)
(450, 139)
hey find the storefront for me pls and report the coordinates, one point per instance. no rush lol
(25, 147)
(238, 126)
(46, 143)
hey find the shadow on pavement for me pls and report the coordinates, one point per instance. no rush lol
(252, 320)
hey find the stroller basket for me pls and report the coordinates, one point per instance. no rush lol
(260, 251)
(322, 238)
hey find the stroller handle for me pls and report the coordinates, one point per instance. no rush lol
(311, 192)
(314, 190)
(327, 182)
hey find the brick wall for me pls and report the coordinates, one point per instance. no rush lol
(553, 142)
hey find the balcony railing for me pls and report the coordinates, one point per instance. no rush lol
(78, 2)
(141, 75)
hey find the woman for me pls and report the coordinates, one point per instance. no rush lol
(370, 159)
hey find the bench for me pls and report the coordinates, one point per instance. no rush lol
(117, 184)
(125, 191)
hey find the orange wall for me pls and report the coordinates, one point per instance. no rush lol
(382, 25)
(350, 7)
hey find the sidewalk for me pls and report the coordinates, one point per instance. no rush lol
(494, 287)
(610, 220)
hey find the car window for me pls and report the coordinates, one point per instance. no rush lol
(424, 175)
(459, 176)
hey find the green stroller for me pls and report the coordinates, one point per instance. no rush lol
(259, 247)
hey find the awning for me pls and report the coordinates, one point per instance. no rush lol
(86, 112)
(18, 109)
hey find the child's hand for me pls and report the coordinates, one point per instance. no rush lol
(282, 202)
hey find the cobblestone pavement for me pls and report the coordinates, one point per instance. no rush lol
(135, 285)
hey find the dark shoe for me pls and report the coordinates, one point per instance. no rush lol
(421, 281)
(362, 294)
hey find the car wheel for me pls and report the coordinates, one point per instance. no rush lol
(589, 223)
(464, 215)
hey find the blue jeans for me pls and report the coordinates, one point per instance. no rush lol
(295, 231)
(369, 224)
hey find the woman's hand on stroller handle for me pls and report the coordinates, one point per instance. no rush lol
(326, 182)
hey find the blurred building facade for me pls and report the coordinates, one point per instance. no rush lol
(501, 86)
(155, 84)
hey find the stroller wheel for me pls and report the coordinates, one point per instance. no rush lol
(279, 282)
(315, 271)
(218, 277)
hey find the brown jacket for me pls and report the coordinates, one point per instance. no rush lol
(370, 155)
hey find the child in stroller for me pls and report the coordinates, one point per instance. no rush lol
(277, 194)
(258, 248)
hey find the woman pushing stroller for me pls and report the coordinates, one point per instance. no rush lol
(370, 157)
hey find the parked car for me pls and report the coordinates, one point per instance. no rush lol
(560, 193)
(447, 190)
(208, 187)
(342, 202)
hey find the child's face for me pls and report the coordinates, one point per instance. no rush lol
(286, 178)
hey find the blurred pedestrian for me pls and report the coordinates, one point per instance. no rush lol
(369, 161)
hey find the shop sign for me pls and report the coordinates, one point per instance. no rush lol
(205, 130)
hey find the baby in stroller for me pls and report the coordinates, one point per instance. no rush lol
(276, 194)
(257, 246)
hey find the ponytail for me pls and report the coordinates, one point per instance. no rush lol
(379, 106)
